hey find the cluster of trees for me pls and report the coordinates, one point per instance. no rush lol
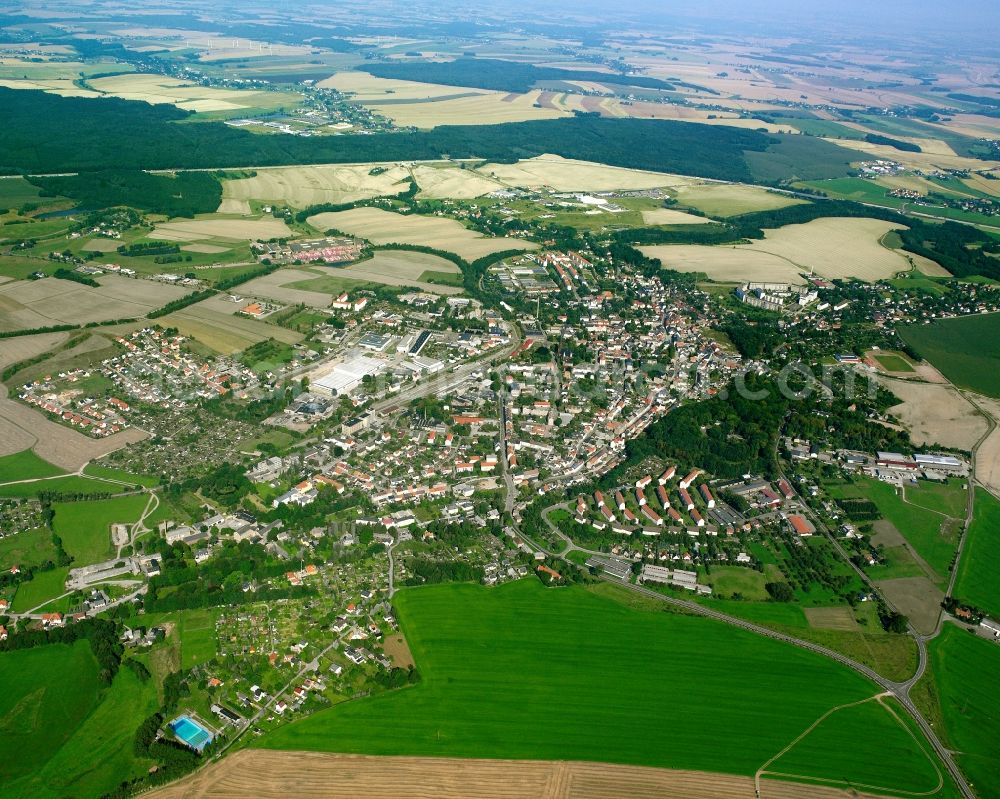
(426, 570)
(397, 678)
(904, 146)
(181, 302)
(140, 248)
(68, 274)
(499, 75)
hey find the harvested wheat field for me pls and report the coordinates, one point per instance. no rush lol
(367, 88)
(935, 413)
(276, 286)
(725, 264)
(308, 775)
(302, 186)
(401, 268)
(565, 174)
(988, 456)
(385, 227)
(452, 182)
(836, 618)
(915, 597)
(466, 109)
(231, 229)
(668, 216)
(213, 322)
(182, 93)
(27, 304)
(832, 247)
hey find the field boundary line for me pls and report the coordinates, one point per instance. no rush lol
(762, 771)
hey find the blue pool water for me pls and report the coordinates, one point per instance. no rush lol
(192, 733)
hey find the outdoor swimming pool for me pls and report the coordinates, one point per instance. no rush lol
(190, 732)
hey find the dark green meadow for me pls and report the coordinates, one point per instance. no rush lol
(62, 732)
(966, 671)
(965, 349)
(525, 672)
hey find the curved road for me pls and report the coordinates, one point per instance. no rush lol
(899, 690)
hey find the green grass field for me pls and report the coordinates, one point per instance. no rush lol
(524, 672)
(109, 473)
(966, 671)
(27, 548)
(920, 527)
(965, 349)
(977, 581)
(894, 363)
(72, 737)
(949, 498)
(15, 192)
(85, 527)
(906, 763)
(47, 694)
(729, 580)
(25, 465)
(45, 586)
(194, 631)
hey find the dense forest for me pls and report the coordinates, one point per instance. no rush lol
(499, 75)
(110, 133)
(187, 194)
(904, 146)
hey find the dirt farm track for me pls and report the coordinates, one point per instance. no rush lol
(264, 774)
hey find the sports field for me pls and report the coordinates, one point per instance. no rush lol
(893, 362)
(966, 349)
(518, 672)
(385, 227)
(977, 578)
(965, 671)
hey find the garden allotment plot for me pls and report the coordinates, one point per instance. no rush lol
(525, 672)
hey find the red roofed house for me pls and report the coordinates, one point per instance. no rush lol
(800, 525)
